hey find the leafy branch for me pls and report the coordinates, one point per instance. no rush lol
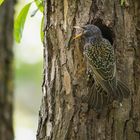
(21, 19)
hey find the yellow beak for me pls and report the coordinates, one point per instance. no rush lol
(79, 35)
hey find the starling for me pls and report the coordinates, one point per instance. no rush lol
(101, 58)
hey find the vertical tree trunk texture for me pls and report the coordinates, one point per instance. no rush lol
(6, 71)
(63, 116)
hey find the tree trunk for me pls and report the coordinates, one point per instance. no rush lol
(63, 115)
(6, 70)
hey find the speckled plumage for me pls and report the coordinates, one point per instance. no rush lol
(101, 58)
(100, 54)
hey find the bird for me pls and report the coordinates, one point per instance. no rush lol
(102, 62)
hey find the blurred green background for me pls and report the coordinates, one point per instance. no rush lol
(28, 76)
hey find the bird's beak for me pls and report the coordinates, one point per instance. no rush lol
(78, 27)
(79, 35)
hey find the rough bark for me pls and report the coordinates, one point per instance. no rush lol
(6, 70)
(62, 115)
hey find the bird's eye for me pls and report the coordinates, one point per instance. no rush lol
(87, 33)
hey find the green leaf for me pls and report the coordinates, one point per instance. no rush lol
(41, 29)
(1, 1)
(122, 2)
(20, 21)
(39, 4)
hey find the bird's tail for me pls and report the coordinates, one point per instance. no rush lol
(97, 98)
(122, 91)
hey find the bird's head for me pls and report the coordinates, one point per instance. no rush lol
(88, 32)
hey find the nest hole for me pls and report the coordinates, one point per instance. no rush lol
(107, 32)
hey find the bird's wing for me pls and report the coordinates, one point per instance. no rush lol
(99, 99)
(102, 61)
